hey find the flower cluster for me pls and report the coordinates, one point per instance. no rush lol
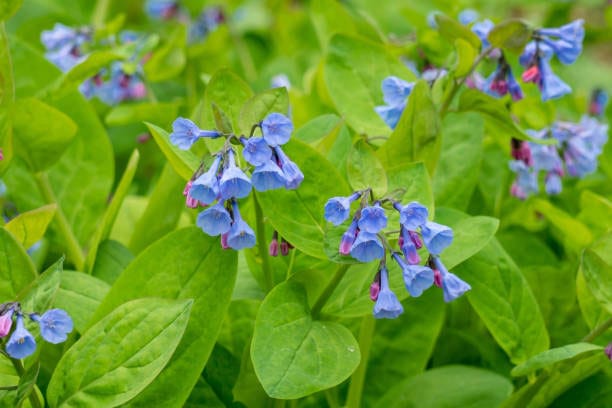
(122, 81)
(224, 182)
(54, 324)
(364, 240)
(575, 152)
(199, 27)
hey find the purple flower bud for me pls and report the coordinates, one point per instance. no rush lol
(224, 243)
(273, 248)
(367, 247)
(215, 220)
(348, 238)
(55, 325)
(608, 351)
(375, 288)
(21, 343)
(373, 219)
(387, 305)
(276, 129)
(416, 240)
(6, 321)
(284, 247)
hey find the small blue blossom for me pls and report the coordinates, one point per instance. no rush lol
(162, 9)
(367, 247)
(551, 86)
(256, 151)
(452, 285)
(233, 182)
(390, 114)
(482, 29)
(185, 133)
(215, 220)
(387, 305)
(21, 343)
(276, 129)
(268, 176)
(568, 43)
(64, 45)
(292, 173)
(412, 215)
(337, 209)
(280, 81)
(55, 325)
(205, 188)
(208, 21)
(431, 19)
(467, 16)
(526, 182)
(417, 278)
(373, 219)
(395, 92)
(240, 235)
(552, 183)
(436, 237)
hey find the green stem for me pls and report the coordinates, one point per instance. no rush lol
(329, 289)
(262, 246)
(278, 403)
(366, 334)
(100, 12)
(33, 397)
(597, 331)
(63, 227)
(331, 397)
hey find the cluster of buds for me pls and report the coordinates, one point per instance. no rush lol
(224, 182)
(200, 27)
(54, 324)
(366, 241)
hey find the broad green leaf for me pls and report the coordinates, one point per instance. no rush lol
(449, 386)
(42, 132)
(364, 170)
(411, 183)
(503, 300)
(222, 122)
(466, 54)
(40, 295)
(80, 295)
(16, 268)
(27, 384)
(510, 34)
(85, 70)
(168, 60)
(164, 208)
(417, 135)
(106, 223)
(593, 392)
(259, 106)
(185, 264)
(111, 260)
(298, 214)
(120, 355)
(8, 8)
(294, 355)
(353, 73)
(328, 18)
(596, 267)
(592, 311)
(575, 235)
(158, 112)
(452, 30)
(593, 209)
(549, 357)
(203, 396)
(221, 372)
(402, 347)
(184, 162)
(318, 128)
(459, 165)
(248, 389)
(238, 324)
(29, 227)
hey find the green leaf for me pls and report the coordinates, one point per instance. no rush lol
(168, 60)
(80, 295)
(297, 215)
(353, 73)
(106, 223)
(40, 295)
(450, 386)
(42, 132)
(185, 264)
(29, 227)
(510, 34)
(452, 30)
(459, 165)
(16, 268)
(111, 260)
(259, 106)
(8, 8)
(417, 134)
(158, 112)
(318, 128)
(85, 70)
(555, 355)
(596, 267)
(503, 300)
(466, 54)
(411, 181)
(222, 122)
(27, 383)
(294, 355)
(184, 162)
(364, 170)
(574, 234)
(119, 356)
(593, 209)
(592, 311)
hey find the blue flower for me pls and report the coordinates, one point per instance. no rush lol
(390, 114)
(185, 133)
(276, 129)
(280, 81)
(233, 182)
(21, 343)
(337, 209)
(452, 285)
(417, 278)
(291, 171)
(412, 215)
(55, 325)
(162, 9)
(467, 16)
(408, 247)
(599, 100)
(267, 176)
(526, 182)
(367, 247)
(205, 23)
(551, 86)
(387, 305)
(348, 238)
(552, 183)
(205, 188)
(568, 44)
(373, 219)
(215, 220)
(436, 237)
(482, 29)
(256, 151)
(395, 91)
(501, 82)
(240, 234)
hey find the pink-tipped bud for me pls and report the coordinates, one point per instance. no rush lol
(345, 244)
(532, 74)
(400, 241)
(374, 290)
(6, 321)
(521, 151)
(191, 202)
(608, 351)
(437, 278)
(1, 154)
(224, 243)
(138, 91)
(416, 239)
(187, 188)
(500, 86)
(284, 247)
(273, 248)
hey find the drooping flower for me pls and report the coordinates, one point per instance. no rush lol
(536, 58)
(408, 247)
(292, 173)
(233, 182)
(565, 41)
(256, 151)
(395, 93)
(64, 45)
(215, 220)
(412, 215)
(467, 16)
(185, 133)
(207, 21)
(417, 278)
(55, 325)
(348, 238)
(205, 188)
(337, 209)
(436, 237)
(276, 129)
(240, 235)
(502, 82)
(452, 285)
(162, 9)
(367, 247)
(387, 305)
(21, 343)
(267, 176)
(373, 219)
(526, 182)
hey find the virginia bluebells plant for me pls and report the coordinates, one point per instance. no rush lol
(54, 326)
(226, 180)
(365, 240)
